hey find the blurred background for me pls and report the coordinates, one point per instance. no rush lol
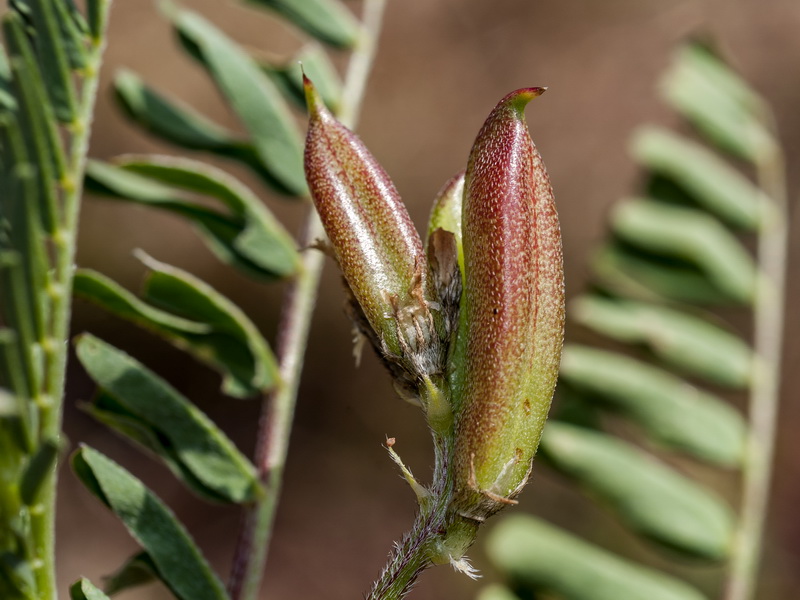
(441, 66)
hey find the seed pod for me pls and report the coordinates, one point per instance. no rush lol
(514, 311)
(378, 249)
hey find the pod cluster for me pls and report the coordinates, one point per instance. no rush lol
(469, 324)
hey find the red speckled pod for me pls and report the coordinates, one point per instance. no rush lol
(378, 249)
(514, 311)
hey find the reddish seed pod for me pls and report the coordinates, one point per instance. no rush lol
(514, 311)
(378, 249)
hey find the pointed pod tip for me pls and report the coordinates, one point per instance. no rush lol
(313, 100)
(518, 99)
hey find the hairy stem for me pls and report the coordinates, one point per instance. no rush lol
(278, 410)
(433, 528)
(765, 391)
(50, 403)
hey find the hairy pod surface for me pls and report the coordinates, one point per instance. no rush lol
(513, 311)
(378, 249)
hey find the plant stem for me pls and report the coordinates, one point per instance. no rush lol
(55, 347)
(278, 409)
(765, 391)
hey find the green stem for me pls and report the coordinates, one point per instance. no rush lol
(55, 347)
(278, 411)
(765, 391)
(437, 534)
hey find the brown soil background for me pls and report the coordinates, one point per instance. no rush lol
(441, 67)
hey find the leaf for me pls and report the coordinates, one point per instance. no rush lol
(644, 492)
(39, 468)
(263, 241)
(245, 235)
(690, 343)
(327, 20)
(83, 589)
(709, 94)
(152, 524)
(229, 342)
(252, 96)
(625, 272)
(169, 119)
(177, 123)
(674, 412)
(497, 592)
(53, 55)
(709, 181)
(315, 63)
(185, 435)
(138, 570)
(690, 235)
(36, 119)
(546, 558)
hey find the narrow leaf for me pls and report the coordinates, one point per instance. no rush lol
(688, 342)
(708, 180)
(263, 240)
(183, 431)
(74, 30)
(229, 342)
(36, 119)
(497, 592)
(713, 97)
(53, 57)
(645, 493)
(152, 524)
(138, 570)
(177, 123)
(169, 119)
(253, 97)
(39, 468)
(83, 589)
(245, 234)
(327, 20)
(689, 235)
(315, 63)
(547, 558)
(674, 412)
(628, 273)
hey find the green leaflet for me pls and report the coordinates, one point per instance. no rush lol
(252, 96)
(53, 51)
(83, 589)
(709, 180)
(315, 63)
(39, 467)
(671, 410)
(170, 119)
(713, 97)
(195, 318)
(496, 592)
(624, 272)
(645, 493)
(689, 235)
(152, 524)
(245, 234)
(327, 20)
(177, 123)
(182, 435)
(690, 343)
(37, 124)
(546, 558)
(138, 570)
